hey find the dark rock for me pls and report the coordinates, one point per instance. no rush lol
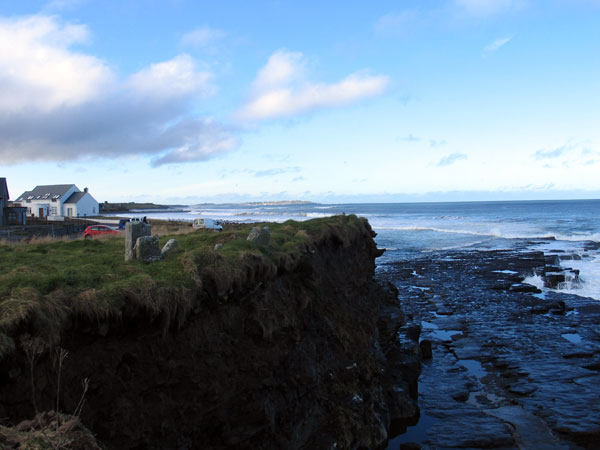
(461, 396)
(530, 382)
(558, 308)
(410, 446)
(522, 389)
(524, 287)
(578, 355)
(540, 309)
(413, 332)
(593, 366)
(426, 349)
(551, 280)
(502, 285)
(591, 246)
(147, 249)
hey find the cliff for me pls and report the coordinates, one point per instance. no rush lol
(294, 348)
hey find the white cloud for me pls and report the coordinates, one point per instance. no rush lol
(281, 89)
(569, 154)
(174, 78)
(486, 8)
(281, 69)
(202, 37)
(200, 140)
(59, 104)
(496, 44)
(37, 70)
(451, 159)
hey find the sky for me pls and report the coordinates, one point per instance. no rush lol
(181, 101)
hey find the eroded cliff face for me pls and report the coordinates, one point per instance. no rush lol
(303, 355)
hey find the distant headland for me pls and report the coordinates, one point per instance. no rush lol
(108, 207)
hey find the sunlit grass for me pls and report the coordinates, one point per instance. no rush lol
(45, 282)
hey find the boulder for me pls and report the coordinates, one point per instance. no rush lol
(413, 332)
(260, 236)
(146, 249)
(426, 350)
(551, 280)
(524, 287)
(133, 231)
(171, 245)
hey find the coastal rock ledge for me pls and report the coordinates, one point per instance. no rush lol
(300, 353)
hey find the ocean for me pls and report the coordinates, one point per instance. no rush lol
(412, 230)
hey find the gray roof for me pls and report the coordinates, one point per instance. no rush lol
(75, 197)
(49, 191)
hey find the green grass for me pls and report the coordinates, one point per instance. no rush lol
(43, 284)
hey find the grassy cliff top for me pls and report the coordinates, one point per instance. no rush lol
(43, 286)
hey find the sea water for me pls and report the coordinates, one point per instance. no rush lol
(412, 230)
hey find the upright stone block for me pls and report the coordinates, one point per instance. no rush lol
(133, 231)
(147, 249)
(260, 236)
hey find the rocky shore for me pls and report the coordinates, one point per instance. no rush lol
(298, 354)
(511, 367)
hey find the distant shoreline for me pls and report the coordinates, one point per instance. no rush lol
(134, 206)
(111, 208)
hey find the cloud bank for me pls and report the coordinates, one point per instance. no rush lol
(572, 154)
(281, 89)
(59, 104)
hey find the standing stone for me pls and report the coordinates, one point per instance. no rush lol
(253, 234)
(133, 231)
(260, 236)
(171, 245)
(147, 249)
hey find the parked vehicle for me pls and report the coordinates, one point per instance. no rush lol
(207, 223)
(124, 220)
(95, 230)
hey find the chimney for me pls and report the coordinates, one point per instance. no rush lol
(85, 189)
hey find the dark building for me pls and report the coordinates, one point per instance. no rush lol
(3, 202)
(9, 214)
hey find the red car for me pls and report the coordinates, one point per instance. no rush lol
(94, 230)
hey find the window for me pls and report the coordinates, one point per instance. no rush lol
(54, 211)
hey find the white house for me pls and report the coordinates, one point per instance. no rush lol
(59, 200)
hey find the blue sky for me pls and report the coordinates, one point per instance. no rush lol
(179, 101)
